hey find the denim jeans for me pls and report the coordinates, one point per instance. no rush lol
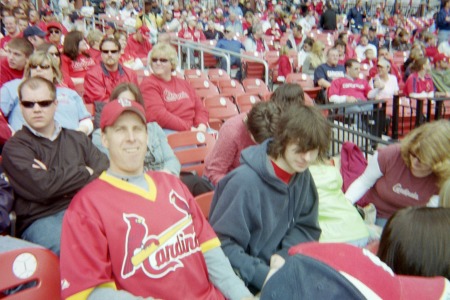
(46, 232)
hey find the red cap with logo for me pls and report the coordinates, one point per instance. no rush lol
(112, 111)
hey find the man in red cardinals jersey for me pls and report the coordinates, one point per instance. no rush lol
(134, 234)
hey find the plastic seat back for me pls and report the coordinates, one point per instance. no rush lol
(23, 263)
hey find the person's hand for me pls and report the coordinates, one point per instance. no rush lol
(90, 170)
(351, 99)
(276, 262)
(39, 165)
(378, 84)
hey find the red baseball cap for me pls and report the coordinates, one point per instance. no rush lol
(112, 111)
(54, 25)
(342, 271)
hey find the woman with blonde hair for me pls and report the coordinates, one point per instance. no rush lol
(71, 112)
(315, 58)
(406, 174)
(170, 101)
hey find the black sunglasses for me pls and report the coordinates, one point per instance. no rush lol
(110, 51)
(163, 60)
(54, 31)
(42, 67)
(55, 54)
(30, 104)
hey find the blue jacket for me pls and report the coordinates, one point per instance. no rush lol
(441, 23)
(357, 16)
(256, 215)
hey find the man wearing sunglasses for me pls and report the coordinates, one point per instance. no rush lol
(54, 34)
(46, 165)
(100, 81)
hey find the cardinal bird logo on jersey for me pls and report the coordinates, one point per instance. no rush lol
(159, 253)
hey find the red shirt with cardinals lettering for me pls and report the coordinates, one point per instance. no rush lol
(76, 68)
(149, 243)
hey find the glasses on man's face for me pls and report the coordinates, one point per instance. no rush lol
(162, 60)
(54, 31)
(30, 104)
(41, 66)
(110, 51)
(380, 66)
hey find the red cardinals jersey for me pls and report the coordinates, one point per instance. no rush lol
(147, 243)
(358, 88)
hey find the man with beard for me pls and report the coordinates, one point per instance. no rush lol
(103, 78)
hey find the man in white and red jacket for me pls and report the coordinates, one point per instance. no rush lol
(350, 88)
(100, 81)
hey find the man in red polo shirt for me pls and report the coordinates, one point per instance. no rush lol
(12, 66)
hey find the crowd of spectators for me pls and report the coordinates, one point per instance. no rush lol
(274, 186)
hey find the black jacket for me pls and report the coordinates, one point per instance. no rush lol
(40, 193)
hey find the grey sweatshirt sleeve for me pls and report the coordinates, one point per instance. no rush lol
(223, 277)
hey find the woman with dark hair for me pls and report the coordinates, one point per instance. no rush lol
(53, 51)
(420, 84)
(416, 241)
(76, 60)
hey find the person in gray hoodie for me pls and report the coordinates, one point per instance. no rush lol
(270, 202)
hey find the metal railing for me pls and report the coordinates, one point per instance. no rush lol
(364, 128)
(206, 48)
(420, 117)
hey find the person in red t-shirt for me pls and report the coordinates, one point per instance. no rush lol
(420, 84)
(19, 49)
(350, 88)
(5, 130)
(193, 34)
(273, 30)
(76, 61)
